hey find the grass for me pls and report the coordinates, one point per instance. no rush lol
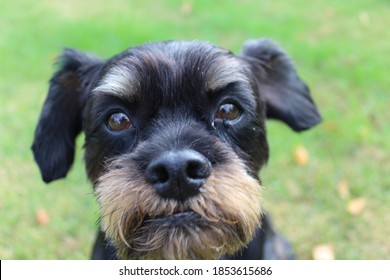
(340, 48)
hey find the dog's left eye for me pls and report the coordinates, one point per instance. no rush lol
(118, 122)
(228, 112)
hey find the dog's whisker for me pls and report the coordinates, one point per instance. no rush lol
(121, 229)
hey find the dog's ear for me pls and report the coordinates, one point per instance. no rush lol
(61, 117)
(286, 96)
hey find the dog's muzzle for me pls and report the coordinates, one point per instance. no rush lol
(180, 205)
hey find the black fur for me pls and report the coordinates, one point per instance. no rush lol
(286, 95)
(171, 91)
(61, 118)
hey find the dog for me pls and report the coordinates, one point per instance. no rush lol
(175, 137)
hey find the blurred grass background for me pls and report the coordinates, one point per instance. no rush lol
(342, 50)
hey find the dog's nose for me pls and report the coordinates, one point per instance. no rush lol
(178, 174)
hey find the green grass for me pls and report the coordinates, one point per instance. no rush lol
(341, 48)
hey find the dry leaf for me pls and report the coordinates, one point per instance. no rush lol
(330, 126)
(343, 189)
(356, 206)
(186, 8)
(364, 18)
(41, 217)
(301, 156)
(323, 252)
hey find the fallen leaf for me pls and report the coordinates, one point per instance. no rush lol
(356, 206)
(343, 189)
(331, 126)
(186, 8)
(364, 18)
(323, 252)
(41, 217)
(301, 156)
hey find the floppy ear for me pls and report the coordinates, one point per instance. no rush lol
(61, 117)
(286, 96)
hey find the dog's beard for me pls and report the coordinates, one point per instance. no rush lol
(141, 225)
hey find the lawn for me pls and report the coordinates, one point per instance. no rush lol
(338, 198)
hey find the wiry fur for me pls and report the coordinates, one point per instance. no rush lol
(222, 225)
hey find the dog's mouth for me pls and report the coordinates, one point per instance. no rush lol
(184, 218)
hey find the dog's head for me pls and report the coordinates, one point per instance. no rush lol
(175, 137)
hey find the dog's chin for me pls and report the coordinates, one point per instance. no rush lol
(182, 235)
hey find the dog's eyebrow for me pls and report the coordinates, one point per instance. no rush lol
(118, 81)
(225, 71)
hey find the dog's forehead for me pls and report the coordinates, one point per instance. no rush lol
(174, 62)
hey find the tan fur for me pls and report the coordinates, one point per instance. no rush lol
(125, 81)
(229, 204)
(226, 70)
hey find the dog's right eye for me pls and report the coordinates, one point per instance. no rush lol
(119, 121)
(228, 112)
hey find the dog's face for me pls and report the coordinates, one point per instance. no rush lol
(175, 137)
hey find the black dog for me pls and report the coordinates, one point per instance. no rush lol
(175, 138)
